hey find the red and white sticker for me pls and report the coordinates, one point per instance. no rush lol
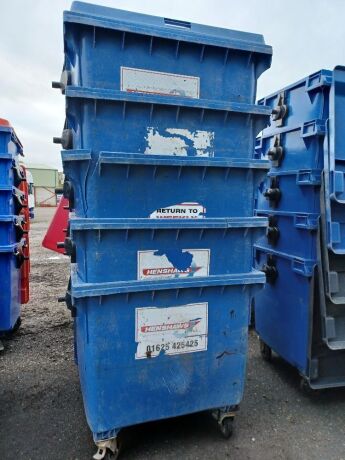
(163, 83)
(171, 330)
(180, 211)
(173, 264)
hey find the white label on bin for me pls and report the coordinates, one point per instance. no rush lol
(171, 330)
(163, 83)
(173, 263)
(179, 142)
(180, 211)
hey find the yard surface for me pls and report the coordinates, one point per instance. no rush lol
(41, 409)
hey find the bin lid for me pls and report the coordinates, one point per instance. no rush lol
(5, 126)
(127, 21)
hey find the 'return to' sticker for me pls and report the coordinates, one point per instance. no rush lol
(190, 210)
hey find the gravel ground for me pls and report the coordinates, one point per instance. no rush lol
(42, 413)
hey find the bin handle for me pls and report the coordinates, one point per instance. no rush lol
(177, 23)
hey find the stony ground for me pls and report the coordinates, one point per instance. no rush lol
(41, 410)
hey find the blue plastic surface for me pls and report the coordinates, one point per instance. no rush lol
(300, 191)
(302, 146)
(106, 120)
(9, 292)
(334, 172)
(10, 200)
(101, 42)
(9, 142)
(8, 163)
(306, 100)
(297, 233)
(10, 226)
(283, 308)
(107, 348)
(160, 117)
(158, 249)
(310, 136)
(146, 185)
(11, 229)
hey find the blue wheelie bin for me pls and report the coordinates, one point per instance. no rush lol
(158, 155)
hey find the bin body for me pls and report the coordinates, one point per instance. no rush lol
(12, 226)
(290, 233)
(106, 48)
(122, 344)
(137, 249)
(10, 288)
(158, 155)
(162, 125)
(286, 301)
(305, 146)
(156, 187)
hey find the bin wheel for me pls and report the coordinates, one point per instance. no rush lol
(104, 453)
(112, 455)
(17, 325)
(13, 331)
(307, 389)
(226, 427)
(266, 351)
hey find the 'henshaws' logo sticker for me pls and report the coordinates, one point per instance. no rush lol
(169, 271)
(180, 211)
(171, 326)
(171, 330)
(173, 263)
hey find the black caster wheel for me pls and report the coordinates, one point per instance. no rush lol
(112, 455)
(307, 389)
(13, 331)
(17, 325)
(266, 351)
(226, 427)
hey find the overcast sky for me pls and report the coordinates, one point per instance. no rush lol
(306, 35)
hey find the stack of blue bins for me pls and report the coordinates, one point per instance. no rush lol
(300, 314)
(11, 228)
(160, 174)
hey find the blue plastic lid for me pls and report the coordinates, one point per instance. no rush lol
(127, 21)
(78, 223)
(316, 80)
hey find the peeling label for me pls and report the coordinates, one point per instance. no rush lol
(179, 142)
(171, 330)
(180, 211)
(163, 83)
(173, 263)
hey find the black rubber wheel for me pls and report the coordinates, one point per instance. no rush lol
(17, 325)
(112, 456)
(307, 389)
(226, 428)
(13, 331)
(266, 351)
